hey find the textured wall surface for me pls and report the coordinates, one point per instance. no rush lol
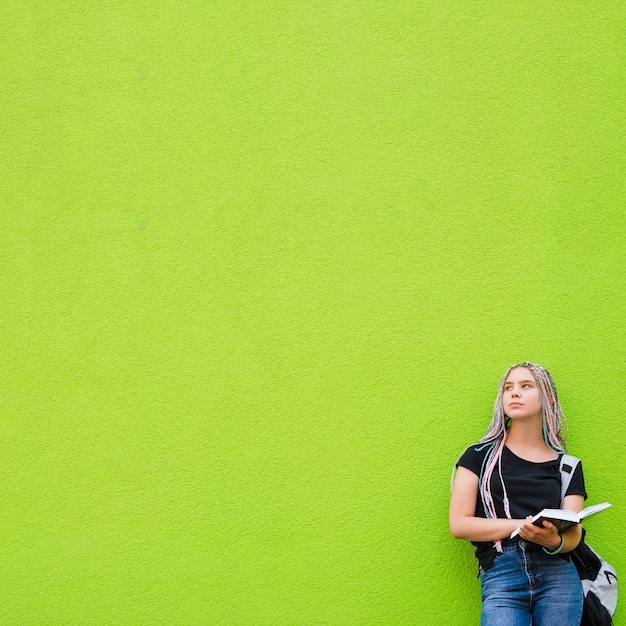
(263, 264)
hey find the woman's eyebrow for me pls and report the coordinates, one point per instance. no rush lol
(521, 382)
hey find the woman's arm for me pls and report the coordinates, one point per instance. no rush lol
(548, 536)
(463, 522)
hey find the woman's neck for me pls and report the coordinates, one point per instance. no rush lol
(528, 443)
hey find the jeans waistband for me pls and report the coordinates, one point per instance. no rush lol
(511, 545)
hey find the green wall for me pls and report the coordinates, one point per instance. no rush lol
(263, 264)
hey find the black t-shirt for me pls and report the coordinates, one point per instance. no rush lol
(530, 487)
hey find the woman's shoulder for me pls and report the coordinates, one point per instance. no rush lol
(474, 456)
(480, 449)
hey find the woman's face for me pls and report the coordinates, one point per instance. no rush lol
(520, 395)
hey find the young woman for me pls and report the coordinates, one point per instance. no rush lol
(509, 476)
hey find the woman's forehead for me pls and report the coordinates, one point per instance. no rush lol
(518, 374)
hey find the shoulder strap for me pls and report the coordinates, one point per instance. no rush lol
(567, 466)
(453, 475)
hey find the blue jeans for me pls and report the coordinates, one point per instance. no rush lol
(526, 586)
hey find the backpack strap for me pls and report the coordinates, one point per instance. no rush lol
(567, 466)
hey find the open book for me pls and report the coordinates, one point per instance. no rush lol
(562, 518)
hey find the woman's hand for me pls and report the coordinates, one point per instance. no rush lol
(546, 536)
